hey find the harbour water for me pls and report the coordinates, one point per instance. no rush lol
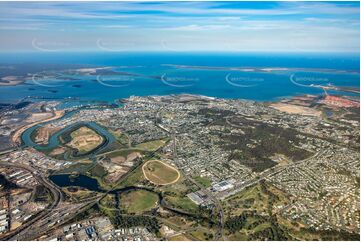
(210, 74)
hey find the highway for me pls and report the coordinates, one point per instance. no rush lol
(56, 194)
(57, 211)
(55, 218)
(4, 152)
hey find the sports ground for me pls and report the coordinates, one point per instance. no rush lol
(160, 173)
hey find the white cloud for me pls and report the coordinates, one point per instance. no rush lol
(212, 25)
(195, 27)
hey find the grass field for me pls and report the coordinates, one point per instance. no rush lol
(254, 198)
(97, 171)
(179, 237)
(78, 193)
(204, 181)
(179, 221)
(202, 234)
(138, 201)
(134, 178)
(122, 152)
(175, 195)
(152, 145)
(81, 168)
(183, 203)
(250, 214)
(108, 202)
(160, 173)
(122, 138)
(238, 236)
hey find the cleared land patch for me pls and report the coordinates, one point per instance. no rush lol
(85, 139)
(57, 151)
(17, 134)
(43, 134)
(138, 201)
(119, 162)
(294, 109)
(160, 173)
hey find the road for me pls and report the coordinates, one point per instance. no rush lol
(56, 213)
(215, 200)
(218, 207)
(4, 152)
(55, 218)
(57, 198)
(267, 173)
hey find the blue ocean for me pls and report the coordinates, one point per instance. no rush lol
(254, 76)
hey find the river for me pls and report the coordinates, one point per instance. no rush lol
(54, 140)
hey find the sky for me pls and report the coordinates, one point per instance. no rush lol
(180, 26)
